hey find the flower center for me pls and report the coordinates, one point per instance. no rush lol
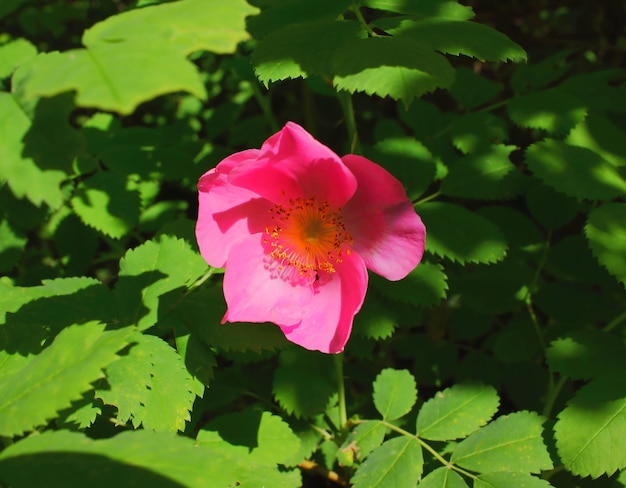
(307, 236)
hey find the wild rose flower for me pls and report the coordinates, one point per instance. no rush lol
(296, 228)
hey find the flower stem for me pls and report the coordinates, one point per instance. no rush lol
(345, 99)
(341, 390)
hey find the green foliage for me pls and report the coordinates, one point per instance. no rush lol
(115, 366)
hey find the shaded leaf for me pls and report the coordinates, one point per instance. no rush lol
(12, 244)
(398, 462)
(473, 90)
(395, 393)
(591, 430)
(457, 411)
(375, 320)
(606, 232)
(575, 171)
(445, 9)
(60, 374)
(425, 286)
(192, 25)
(388, 66)
(550, 208)
(461, 235)
(364, 438)
(509, 443)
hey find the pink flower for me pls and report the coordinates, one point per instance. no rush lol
(296, 226)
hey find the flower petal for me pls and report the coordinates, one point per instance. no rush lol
(227, 213)
(254, 294)
(387, 232)
(292, 164)
(327, 323)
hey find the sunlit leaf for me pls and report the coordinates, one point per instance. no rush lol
(425, 286)
(364, 439)
(606, 232)
(457, 411)
(13, 54)
(445, 9)
(395, 393)
(443, 478)
(509, 480)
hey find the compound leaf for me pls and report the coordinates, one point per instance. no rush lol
(395, 393)
(509, 443)
(457, 411)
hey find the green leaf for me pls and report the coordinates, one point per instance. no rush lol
(364, 439)
(586, 354)
(13, 54)
(133, 458)
(443, 478)
(457, 411)
(303, 49)
(459, 37)
(425, 286)
(270, 440)
(537, 75)
(408, 160)
(601, 134)
(388, 66)
(398, 462)
(12, 244)
(460, 234)
(554, 111)
(486, 174)
(473, 132)
(472, 89)
(509, 443)
(286, 13)
(395, 393)
(575, 171)
(563, 208)
(304, 382)
(445, 9)
(509, 480)
(111, 76)
(57, 376)
(22, 173)
(375, 320)
(150, 385)
(606, 232)
(104, 202)
(188, 26)
(157, 269)
(591, 430)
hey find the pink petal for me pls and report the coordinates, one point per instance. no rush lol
(387, 232)
(327, 323)
(255, 294)
(292, 164)
(227, 213)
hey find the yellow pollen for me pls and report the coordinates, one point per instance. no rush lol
(308, 236)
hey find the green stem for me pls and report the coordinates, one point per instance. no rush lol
(615, 322)
(362, 21)
(348, 113)
(266, 108)
(427, 199)
(553, 393)
(341, 390)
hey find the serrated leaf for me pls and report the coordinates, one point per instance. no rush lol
(586, 354)
(537, 75)
(60, 374)
(509, 443)
(302, 49)
(110, 76)
(395, 393)
(443, 478)
(472, 89)
(303, 382)
(292, 12)
(601, 134)
(563, 208)
(460, 234)
(12, 244)
(23, 175)
(388, 66)
(425, 286)
(269, 439)
(445, 9)
(457, 411)
(398, 462)
(364, 439)
(375, 320)
(575, 171)
(554, 111)
(150, 272)
(13, 54)
(606, 232)
(139, 458)
(591, 430)
(189, 26)
(460, 37)
(473, 132)
(509, 480)
(81, 414)
(486, 174)
(104, 202)
(199, 360)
